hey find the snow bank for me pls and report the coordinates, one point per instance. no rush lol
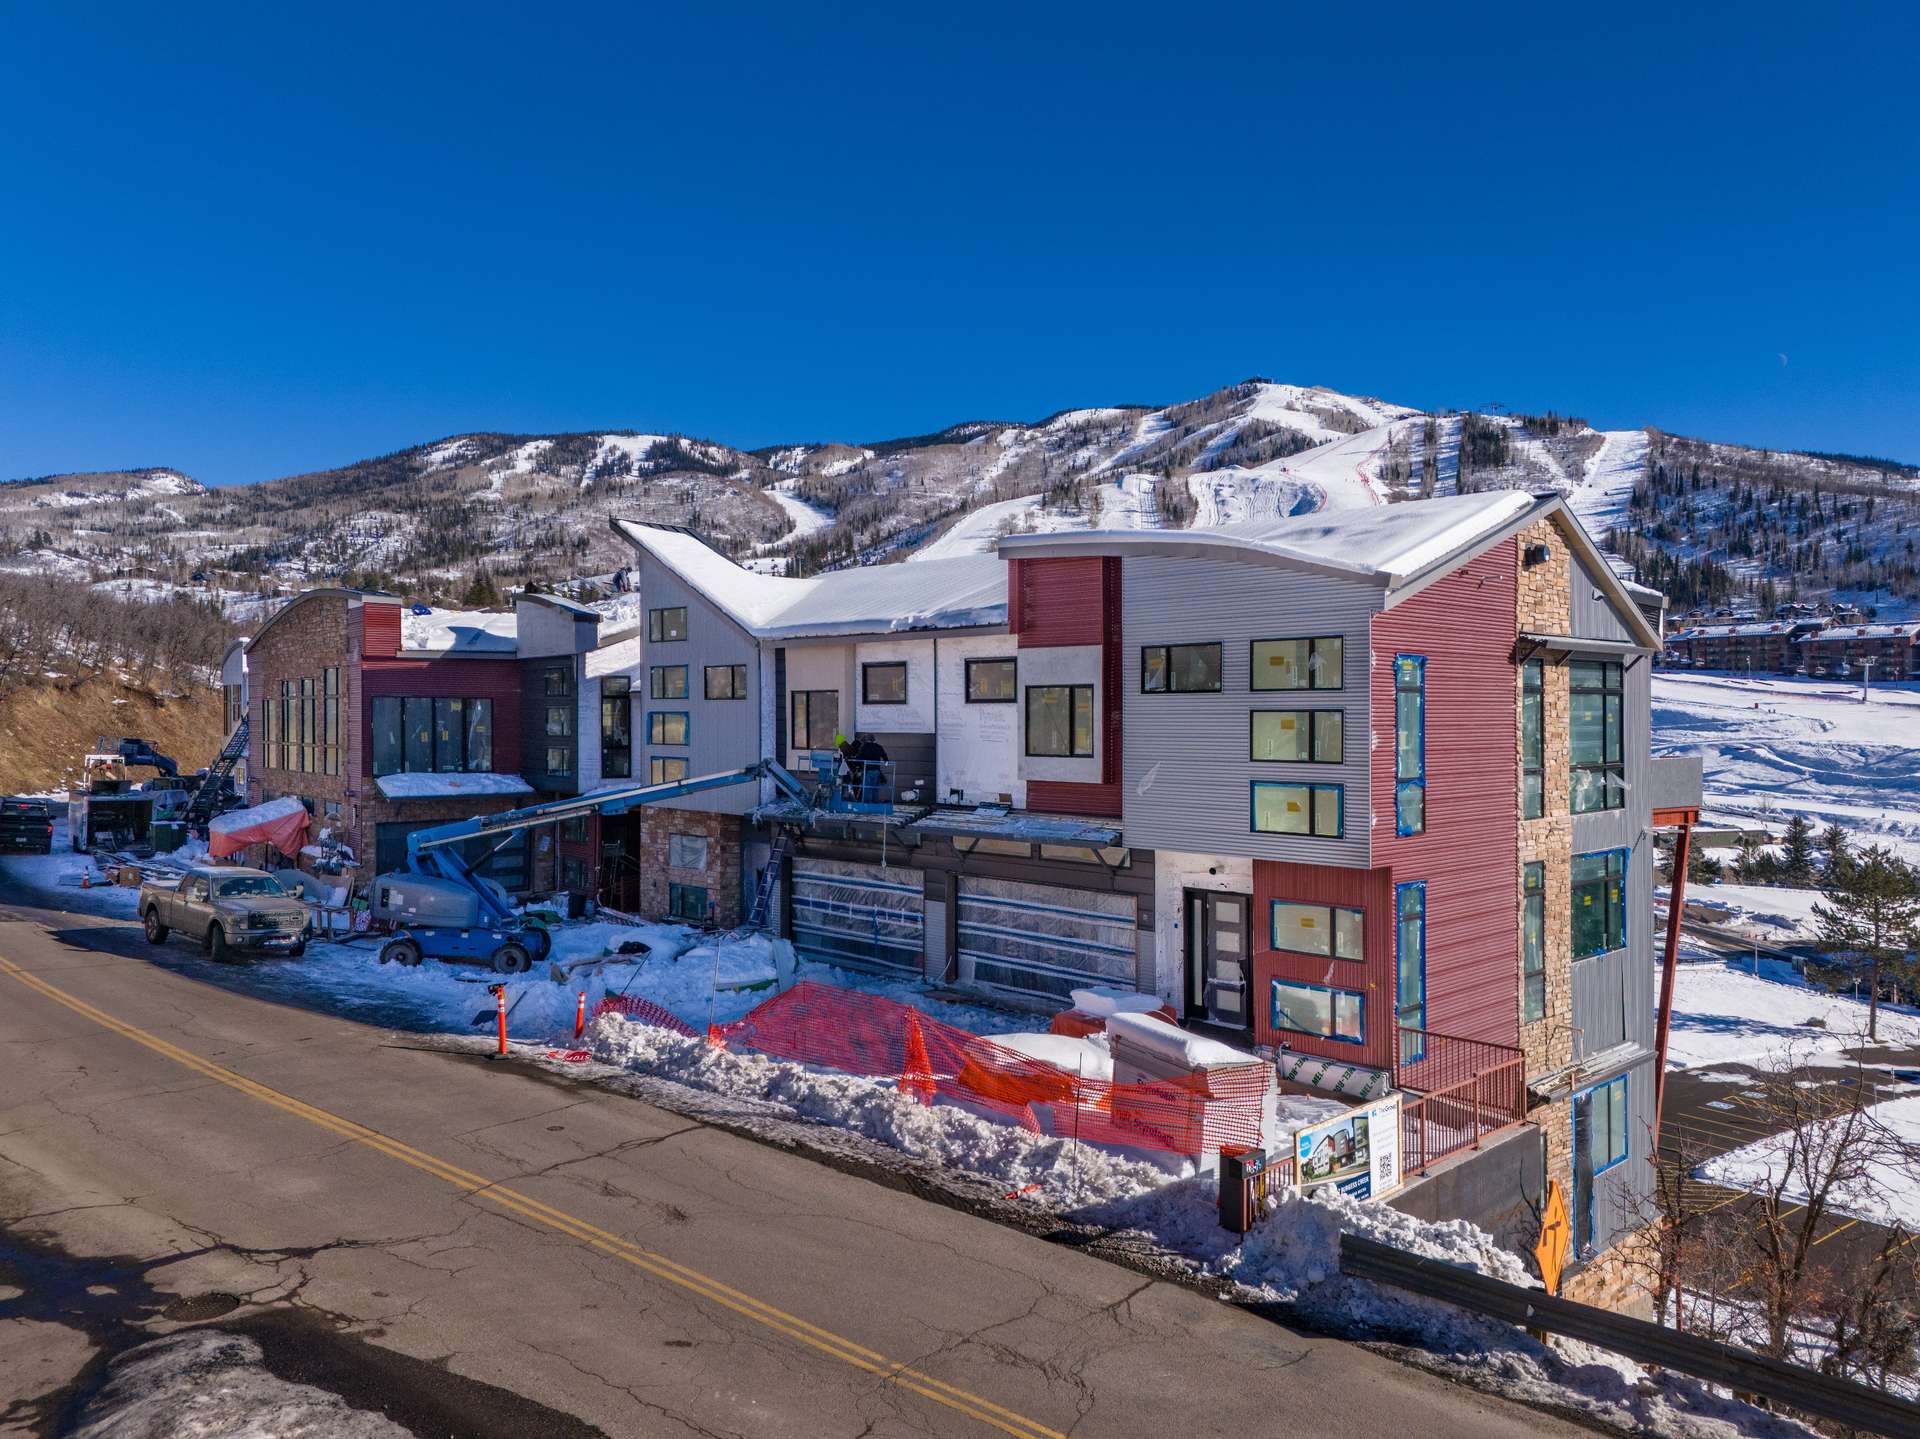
(206, 1382)
(1893, 1196)
(1037, 1167)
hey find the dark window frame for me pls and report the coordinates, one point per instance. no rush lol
(677, 893)
(1073, 750)
(736, 681)
(616, 727)
(1313, 736)
(1332, 911)
(1610, 769)
(657, 625)
(1533, 942)
(1313, 810)
(1167, 668)
(1533, 756)
(1313, 643)
(657, 687)
(866, 681)
(1013, 673)
(794, 706)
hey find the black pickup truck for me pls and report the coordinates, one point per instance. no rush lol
(26, 824)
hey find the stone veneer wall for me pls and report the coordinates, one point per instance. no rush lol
(1617, 1278)
(721, 877)
(1544, 602)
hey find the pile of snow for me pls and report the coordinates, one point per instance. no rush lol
(417, 785)
(207, 1382)
(1726, 1014)
(1104, 1002)
(459, 631)
(1043, 1168)
(1090, 1058)
(1770, 913)
(1175, 1045)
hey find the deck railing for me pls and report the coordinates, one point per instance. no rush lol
(1459, 1091)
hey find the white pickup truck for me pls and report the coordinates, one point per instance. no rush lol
(229, 910)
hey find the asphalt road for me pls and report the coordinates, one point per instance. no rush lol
(485, 1250)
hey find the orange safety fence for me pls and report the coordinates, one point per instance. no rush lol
(864, 1034)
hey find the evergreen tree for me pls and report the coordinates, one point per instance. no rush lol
(1837, 845)
(1873, 908)
(1796, 863)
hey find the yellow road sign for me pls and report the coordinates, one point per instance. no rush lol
(1556, 1238)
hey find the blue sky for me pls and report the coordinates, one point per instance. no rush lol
(249, 243)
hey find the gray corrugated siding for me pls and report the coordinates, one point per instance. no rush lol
(1623, 1003)
(1600, 1001)
(1186, 774)
(1594, 617)
(936, 941)
(915, 764)
(722, 734)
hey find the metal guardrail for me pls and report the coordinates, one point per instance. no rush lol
(1825, 1396)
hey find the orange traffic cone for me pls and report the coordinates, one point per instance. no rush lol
(86, 879)
(916, 1076)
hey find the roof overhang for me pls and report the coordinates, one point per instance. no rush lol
(1530, 645)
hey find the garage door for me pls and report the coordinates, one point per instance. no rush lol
(864, 914)
(1040, 939)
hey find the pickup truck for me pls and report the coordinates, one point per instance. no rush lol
(229, 910)
(26, 825)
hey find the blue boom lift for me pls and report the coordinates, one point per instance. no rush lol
(452, 912)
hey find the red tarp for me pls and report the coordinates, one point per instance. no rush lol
(281, 823)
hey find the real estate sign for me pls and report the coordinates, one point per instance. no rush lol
(1358, 1153)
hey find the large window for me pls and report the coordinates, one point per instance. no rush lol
(1595, 709)
(302, 726)
(1410, 967)
(1309, 664)
(686, 851)
(667, 682)
(1600, 1141)
(687, 901)
(666, 727)
(1533, 941)
(726, 682)
(667, 624)
(816, 718)
(1599, 902)
(1298, 736)
(1180, 669)
(1533, 739)
(991, 682)
(1409, 744)
(884, 683)
(414, 734)
(666, 769)
(1313, 809)
(1315, 1009)
(1325, 930)
(1060, 720)
(616, 727)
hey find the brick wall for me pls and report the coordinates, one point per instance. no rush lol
(1544, 600)
(720, 878)
(1617, 1278)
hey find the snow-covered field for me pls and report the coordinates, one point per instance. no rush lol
(1890, 1196)
(1776, 745)
(1771, 914)
(1727, 1014)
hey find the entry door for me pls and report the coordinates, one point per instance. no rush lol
(1219, 960)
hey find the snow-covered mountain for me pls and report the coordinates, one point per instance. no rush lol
(1707, 517)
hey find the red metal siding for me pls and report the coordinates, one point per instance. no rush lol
(1370, 891)
(1059, 601)
(497, 680)
(1468, 854)
(1052, 796)
(1112, 681)
(381, 630)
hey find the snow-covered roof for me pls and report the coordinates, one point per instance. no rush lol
(459, 632)
(1743, 629)
(958, 593)
(1388, 543)
(1868, 632)
(561, 602)
(450, 786)
(238, 819)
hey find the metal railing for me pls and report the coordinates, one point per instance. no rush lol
(1458, 1092)
(1825, 1396)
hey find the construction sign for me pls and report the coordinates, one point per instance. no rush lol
(1556, 1238)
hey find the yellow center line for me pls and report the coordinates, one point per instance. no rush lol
(473, 1185)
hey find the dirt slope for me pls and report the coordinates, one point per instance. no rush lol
(45, 729)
